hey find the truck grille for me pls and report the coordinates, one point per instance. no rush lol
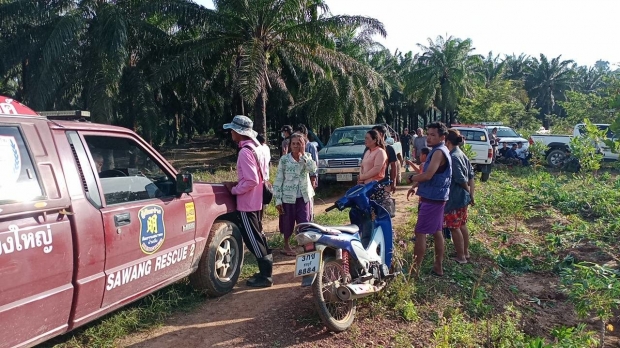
(343, 163)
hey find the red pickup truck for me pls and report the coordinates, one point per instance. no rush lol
(93, 218)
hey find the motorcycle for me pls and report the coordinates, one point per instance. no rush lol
(346, 263)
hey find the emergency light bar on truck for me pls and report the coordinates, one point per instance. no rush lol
(67, 115)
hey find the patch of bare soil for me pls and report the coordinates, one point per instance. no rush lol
(544, 306)
(589, 253)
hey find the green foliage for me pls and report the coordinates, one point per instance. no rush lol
(569, 337)
(468, 150)
(502, 101)
(580, 106)
(584, 147)
(148, 312)
(538, 151)
(500, 330)
(446, 71)
(594, 289)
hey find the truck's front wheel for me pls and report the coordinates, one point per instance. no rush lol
(221, 261)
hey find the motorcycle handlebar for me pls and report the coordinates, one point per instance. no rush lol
(331, 208)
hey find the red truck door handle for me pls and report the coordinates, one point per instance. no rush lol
(122, 219)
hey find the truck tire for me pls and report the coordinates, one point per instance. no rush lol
(555, 157)
(221, 261)
(485, 177)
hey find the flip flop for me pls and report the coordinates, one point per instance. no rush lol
(459, 261)
(436, 274)
(288, 253)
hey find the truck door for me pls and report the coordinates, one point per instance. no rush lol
(36, 251)
(149, 230)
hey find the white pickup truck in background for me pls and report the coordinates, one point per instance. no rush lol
(478, 138)
(557, 144)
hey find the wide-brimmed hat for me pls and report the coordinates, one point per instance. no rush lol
(242, 125)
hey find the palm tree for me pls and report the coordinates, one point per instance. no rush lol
(493, 68)
(264, 45)
(547, 82)
(589, 79)
(517, 67)
(445, 71)
(81, 54)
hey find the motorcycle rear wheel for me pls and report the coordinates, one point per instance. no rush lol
(336, 314)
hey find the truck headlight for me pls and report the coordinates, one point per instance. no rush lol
(322, 163)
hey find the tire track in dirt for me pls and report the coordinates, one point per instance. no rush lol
(283, 315)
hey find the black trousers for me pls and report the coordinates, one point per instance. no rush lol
(252, 232)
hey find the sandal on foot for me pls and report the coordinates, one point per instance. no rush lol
(459, 261)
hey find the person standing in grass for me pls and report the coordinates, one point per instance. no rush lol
(286, 132)
(461, 196)
(249, 193)
(406, 139)
(293, 190)
(419, 142)
(433, 190)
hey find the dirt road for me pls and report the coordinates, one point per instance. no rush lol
(282, 315)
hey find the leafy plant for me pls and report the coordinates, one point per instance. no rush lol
(568, 337)
(594, 290)
(538, 150)
(586, 149)
(469, 151)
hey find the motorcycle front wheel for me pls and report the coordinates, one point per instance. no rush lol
(336, 314)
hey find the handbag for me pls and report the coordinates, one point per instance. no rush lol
(267, 187)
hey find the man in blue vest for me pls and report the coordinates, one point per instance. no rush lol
(433, 190)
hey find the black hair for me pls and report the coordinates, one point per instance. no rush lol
(288, 129)
(440, 127)
(301, 128)
(454, 137)
(374, 134)
(381, 129)
(260, 138)
(425, 151)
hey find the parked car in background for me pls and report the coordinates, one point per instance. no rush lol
(478, 137)
(92, 218)
(558, 144)
(505, 134)
(341, 158)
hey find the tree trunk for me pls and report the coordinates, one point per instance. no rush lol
(452, 118)
(260, 114)
(176, 129)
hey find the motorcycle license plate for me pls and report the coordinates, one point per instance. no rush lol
(307, 263)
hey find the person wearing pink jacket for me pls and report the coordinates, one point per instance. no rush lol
(249, 192)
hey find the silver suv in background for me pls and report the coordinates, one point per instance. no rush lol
(341, 158)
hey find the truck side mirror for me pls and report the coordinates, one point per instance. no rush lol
(185, 183)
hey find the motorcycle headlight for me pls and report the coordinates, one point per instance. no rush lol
(322, 163)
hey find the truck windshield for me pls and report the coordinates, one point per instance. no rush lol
(605, 127)
(505, 133)
(347, 137)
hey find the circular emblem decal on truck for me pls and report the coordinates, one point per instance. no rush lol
(152, 228)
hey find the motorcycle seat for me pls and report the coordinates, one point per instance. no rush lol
(350, 229)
